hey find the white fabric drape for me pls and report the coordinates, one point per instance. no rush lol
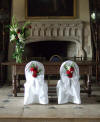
(36, 89)
(68, 89)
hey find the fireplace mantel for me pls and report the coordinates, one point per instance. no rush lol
(58, 31)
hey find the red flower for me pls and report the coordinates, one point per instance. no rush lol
(70, 75)
(34, 74)
(72, 69)
(68, 72)
(32, 69)
(16, 37)
(29, 26)
(18, 31)
(35, 71)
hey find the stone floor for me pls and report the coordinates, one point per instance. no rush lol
(12, 109)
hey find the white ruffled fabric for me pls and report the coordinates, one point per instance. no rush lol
(68, 89)
(36, 89)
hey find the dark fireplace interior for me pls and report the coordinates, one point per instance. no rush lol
(48, 48)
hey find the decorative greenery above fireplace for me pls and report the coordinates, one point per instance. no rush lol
(50, 9)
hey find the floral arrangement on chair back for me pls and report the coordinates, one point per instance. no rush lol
(35, 70)
(19, 34)
(69, 70)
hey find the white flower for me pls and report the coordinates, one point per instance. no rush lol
(21, 39)
(13, 29)
(67, 67)
(12, 37)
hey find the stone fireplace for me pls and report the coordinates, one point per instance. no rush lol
(63, 38)
(49, 48)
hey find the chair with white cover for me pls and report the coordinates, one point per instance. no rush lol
(36, 88)
(68, 87)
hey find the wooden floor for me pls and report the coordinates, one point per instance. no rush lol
(13, 110)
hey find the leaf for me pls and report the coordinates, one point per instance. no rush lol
(14, 21)
(65, 67)
(26, 24)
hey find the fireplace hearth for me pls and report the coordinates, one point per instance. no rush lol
(49, 48)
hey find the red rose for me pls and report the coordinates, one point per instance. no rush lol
(70, 75)
(29, 26)
(16, 37)
(72, 69)
(32, 69)
(35, 71)
(18, 32)
(34, 74)
(68, 72)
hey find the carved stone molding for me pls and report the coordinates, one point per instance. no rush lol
(68, 31)
(60, 31)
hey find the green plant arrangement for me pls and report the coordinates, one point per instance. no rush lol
(18, 35)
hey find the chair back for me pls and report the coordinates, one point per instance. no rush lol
(35, 64)
(55, 58)
(66, 66)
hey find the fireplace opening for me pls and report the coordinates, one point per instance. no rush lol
(48, 48)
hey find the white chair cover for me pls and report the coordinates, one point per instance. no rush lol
(68, 89)
(36, 89)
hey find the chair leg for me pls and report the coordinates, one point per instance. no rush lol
(18, 83)
(89, 86)
(14, 87)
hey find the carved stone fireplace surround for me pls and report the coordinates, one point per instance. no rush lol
(70, 31)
